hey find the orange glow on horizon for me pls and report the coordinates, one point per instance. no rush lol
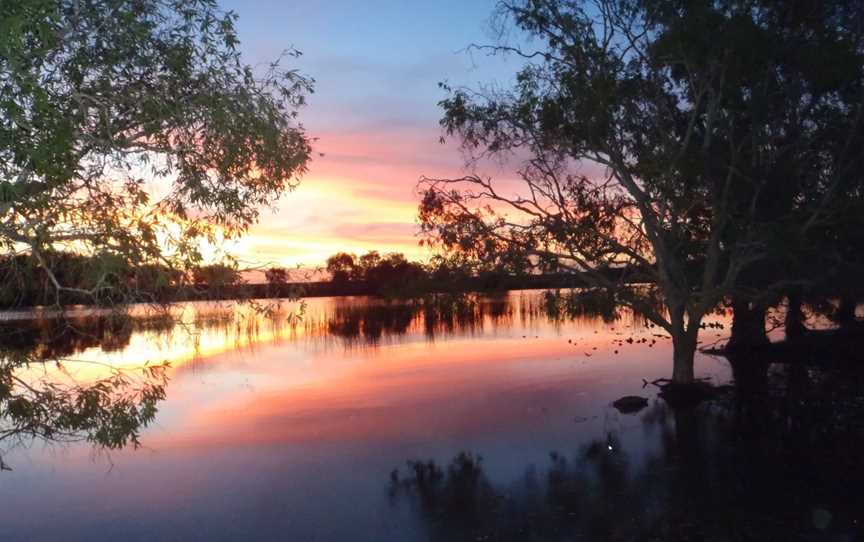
(359, 196)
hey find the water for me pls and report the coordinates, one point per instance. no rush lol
(349, 425)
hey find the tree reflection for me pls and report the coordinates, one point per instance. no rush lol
(369, 323)
(743, 467)
(58, 337)
(41, 399)
(434, 314)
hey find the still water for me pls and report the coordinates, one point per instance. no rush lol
(367, 420)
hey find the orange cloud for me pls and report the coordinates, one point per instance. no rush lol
(359, 196)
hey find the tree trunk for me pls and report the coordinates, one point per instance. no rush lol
(794, 324)
(683, 347)
(748, 326)
(683, 353)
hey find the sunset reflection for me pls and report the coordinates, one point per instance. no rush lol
(370, 370)
(299, 405)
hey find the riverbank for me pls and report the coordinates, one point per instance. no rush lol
(487, 284)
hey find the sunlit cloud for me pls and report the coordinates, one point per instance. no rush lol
(360, 195)
(374, 114)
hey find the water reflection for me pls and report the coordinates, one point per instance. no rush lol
(48, 339)
(100, 377)
(41, 400)
(52, 393)
(368, 321)
(275, 427)
(747, 466)
(357, 321)
(373, 320)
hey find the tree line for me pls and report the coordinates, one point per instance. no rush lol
(107, 279)
(393, 275)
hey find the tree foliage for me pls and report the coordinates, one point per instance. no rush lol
(134, 131)
(42, 400)
(276, 276)
(341, 267)
(391, 273)
(722, 137)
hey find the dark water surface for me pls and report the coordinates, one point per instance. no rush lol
(375, 421)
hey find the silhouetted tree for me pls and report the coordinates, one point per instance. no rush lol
(366, 262)
(277, 279)
(395, 275)
(341, 267)
(695, 112)
(276, 276)
(216, 276)
(391, 274)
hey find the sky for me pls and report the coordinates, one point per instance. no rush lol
(377, 65)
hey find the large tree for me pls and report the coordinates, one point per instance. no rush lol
(720, 132)
(131, 131)
(131, 134)
(802, 119)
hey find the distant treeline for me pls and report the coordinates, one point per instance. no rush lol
(393, 275)
(65, 278)
(86, 280)
(104, 280)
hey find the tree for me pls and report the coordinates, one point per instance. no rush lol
(276, 276)
(365, 263)
(216, 276)
(341, 267)
(133, 131)
(277, 279)
(390, 275)
(394, 275)
(715, 132)
(809, 177)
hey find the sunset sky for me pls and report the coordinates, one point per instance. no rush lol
(377, 65)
